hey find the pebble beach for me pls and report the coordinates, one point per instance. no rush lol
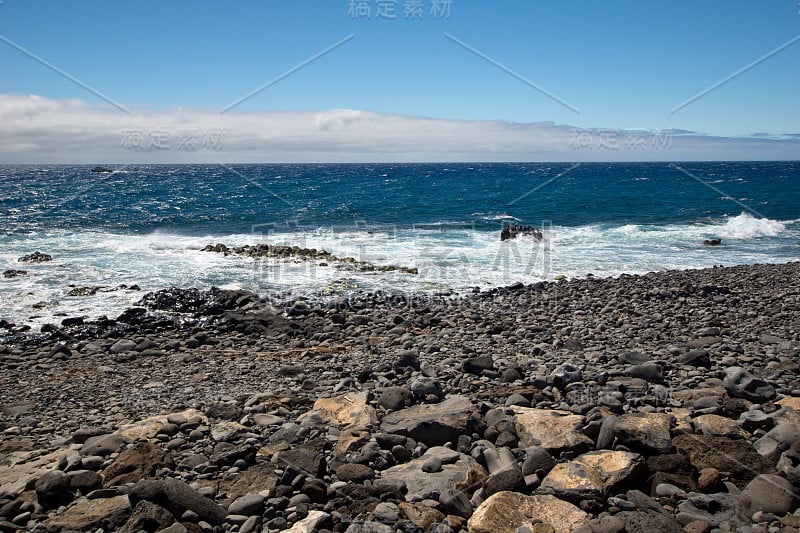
(663, 402)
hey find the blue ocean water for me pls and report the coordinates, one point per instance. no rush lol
(145, 225)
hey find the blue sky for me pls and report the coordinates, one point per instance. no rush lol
(624, 65)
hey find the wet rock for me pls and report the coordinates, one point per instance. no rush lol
(510, 512)
(35, 257)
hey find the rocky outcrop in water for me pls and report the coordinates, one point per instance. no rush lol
(35, 257)
(512, 232)
(307, 254)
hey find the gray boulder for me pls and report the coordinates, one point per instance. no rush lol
(740, 383)
(769, 493)
(177, 497)
(433, 424)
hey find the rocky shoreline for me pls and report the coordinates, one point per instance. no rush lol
(664, 402)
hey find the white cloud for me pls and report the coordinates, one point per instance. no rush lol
(34, 129)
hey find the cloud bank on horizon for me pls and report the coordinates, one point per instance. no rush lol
(35, 129)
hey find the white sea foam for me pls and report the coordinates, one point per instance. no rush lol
(503, 216)
(746, 226)
(448, 256)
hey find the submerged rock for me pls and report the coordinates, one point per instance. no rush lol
(35, 257)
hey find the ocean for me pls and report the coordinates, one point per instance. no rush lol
(145, 225)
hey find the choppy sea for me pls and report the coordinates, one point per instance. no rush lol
(145, 225)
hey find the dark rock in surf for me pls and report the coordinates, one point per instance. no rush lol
(512, 232)
(35, 257)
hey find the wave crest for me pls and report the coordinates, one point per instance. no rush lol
(746, 226)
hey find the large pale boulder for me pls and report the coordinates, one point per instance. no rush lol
(719, 426)
(648, 433)
(792, 402)
(506, 512)
(86, 515)
(349, 410)
(21, 469)
(553, 430)
(594, 474)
